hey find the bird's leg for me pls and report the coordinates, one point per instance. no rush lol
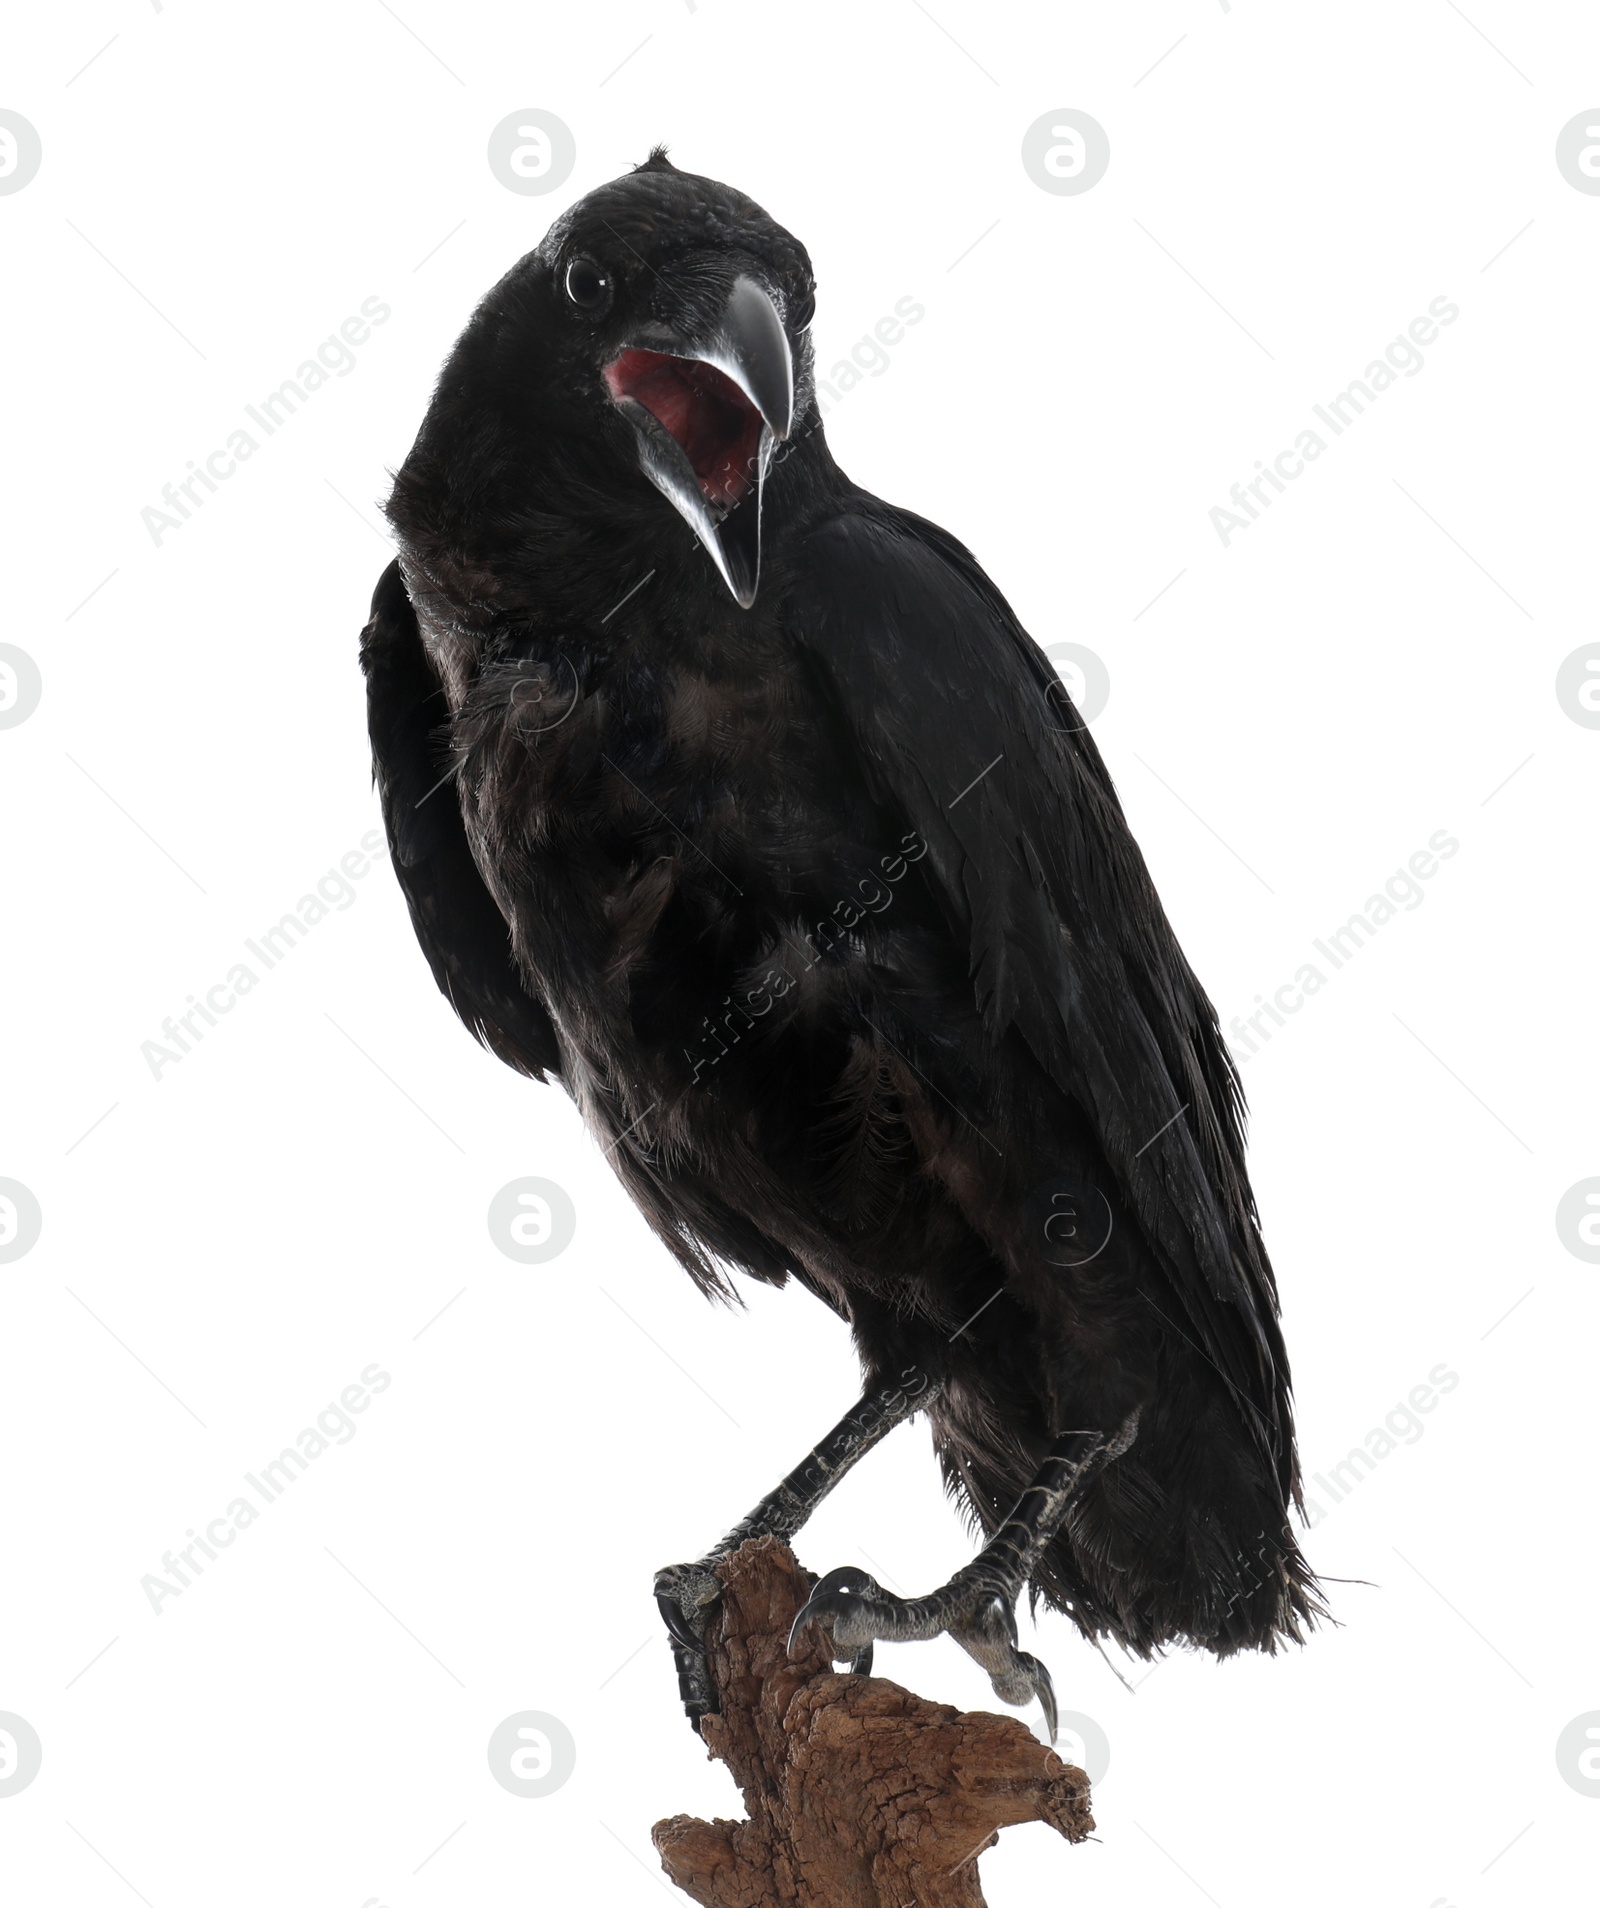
(977, 1607)
(687, 1592)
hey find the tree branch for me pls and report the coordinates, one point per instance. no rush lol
(858, 1794)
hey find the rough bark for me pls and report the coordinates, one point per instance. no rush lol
(858, 1794)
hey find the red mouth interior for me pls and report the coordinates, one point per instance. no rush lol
(715, 424)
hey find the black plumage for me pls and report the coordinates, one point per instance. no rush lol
(824, 909)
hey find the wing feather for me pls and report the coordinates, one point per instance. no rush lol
(462, 932)
(963, 725)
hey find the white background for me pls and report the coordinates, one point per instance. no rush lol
(299, 1196)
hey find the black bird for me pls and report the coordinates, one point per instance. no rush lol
(739, 801)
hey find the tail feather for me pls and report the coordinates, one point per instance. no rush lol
(1184, 1539)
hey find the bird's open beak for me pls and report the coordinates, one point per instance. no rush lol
(708, 411)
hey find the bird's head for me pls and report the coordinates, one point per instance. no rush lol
(658, 329)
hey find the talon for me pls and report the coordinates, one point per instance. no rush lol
(678, 1626)
(692, 1590)
(808, 1613)
(1045, 1690)
(1018, 1678)
(861, 1662)
(685, 1595)
(833, 1599)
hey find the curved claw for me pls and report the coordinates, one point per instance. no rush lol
(692, 1590)
(989, 1636)
(861, 1662)
(1044, 1689)
(832, 1599)
(808, 1612)
(677, 1623)
(686, 1594)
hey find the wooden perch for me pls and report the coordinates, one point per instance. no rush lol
(859, 1794)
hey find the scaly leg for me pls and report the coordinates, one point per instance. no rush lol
(977, 1606)
(687, 1592)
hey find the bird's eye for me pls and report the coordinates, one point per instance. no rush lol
(587, 285)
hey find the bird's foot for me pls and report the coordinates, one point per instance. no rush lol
(686, 1595)
(853, 1610)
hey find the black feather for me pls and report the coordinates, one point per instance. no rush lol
(827, 915)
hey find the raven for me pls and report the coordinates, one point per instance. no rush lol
(738, 800)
